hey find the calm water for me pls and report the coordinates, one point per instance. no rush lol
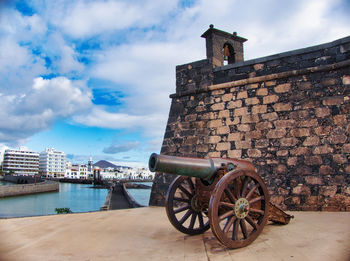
(77, 197)
(141, 195)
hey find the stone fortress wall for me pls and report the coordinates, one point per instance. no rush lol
(288, 113)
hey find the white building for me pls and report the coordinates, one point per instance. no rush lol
(77, 171)
(21, 162)
(52, 163)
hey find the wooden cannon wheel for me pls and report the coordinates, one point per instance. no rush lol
(183, 208)
(239, 208)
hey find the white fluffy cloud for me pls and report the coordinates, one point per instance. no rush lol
(24, 114)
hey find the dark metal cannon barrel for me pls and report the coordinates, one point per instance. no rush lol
(191, 167)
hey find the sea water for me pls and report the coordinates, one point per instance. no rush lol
(77, 197)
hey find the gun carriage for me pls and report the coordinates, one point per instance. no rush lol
(226, 195)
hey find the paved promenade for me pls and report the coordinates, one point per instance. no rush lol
(146, 234)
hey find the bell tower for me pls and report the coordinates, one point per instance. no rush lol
(223, 48)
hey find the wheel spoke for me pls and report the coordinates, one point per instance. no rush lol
(231, 197)
(256, 199)
(244, 228)
(229, 224)
(236, 191)
(190, 182)
(193, 220)
(259, 211)
(226, 215)
(252, 191)
(251, 222)
(245, 186)
(181, 209)
(182, 199)
(200, 218)
(185, 217)
(235, 230)
(189, 195)
(226, 204)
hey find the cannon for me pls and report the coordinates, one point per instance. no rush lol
(226, 195)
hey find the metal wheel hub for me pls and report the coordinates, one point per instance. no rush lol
(241, 208)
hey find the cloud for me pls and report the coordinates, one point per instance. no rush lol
(114, 149)
(24, 114)
(89, 18)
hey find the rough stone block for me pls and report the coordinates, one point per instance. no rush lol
(333, 101)
(276, 134)
(214, 139)
(218, 106)
(328, 191)
(282, 88)
(311, 141)
(243, 144)
(282, 106)
(234, 104)
(223, 146)
(223, 130)
(241, 111)
(282, 153)
(243, 127)
(300, 151)
(270, 99)
(289, 142)
(236, 154)
(325, 149)
(270, 116)
(253, 135)
(337, 139)
(258, 66)
(346, 148)
(227, 97)
(262, 92)
(340, 159)
(258, 109)
(326, 170)
(314, 180)
(308, 123)
(346, 79)
(235, 136)
(214, 123)
(262, 143)
(322, 112)
(242, 95)
(251, 101)
(322, 130)
(202, 148)
(191, 117)
(270, 83)
(250, 118)
(292, 161)
(284, 123)
(300, 132)
(254, 153)
(340, 120)
(263, 125)
(224, 114)
(313, 160)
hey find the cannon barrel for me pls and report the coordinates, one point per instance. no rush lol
(192, 167)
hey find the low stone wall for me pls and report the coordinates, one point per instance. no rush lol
(25, 189)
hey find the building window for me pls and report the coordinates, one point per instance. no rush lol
(229, 54)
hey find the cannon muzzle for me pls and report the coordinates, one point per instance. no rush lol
(192, 167)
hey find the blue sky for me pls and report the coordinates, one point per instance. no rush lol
(93, 78)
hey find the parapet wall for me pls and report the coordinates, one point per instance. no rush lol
(288, 113)
(25, 189)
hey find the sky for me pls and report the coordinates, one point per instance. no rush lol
(93, 78)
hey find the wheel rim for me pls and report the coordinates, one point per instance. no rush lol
(183, 208)
(238, 208)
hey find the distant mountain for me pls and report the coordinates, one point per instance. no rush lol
(103, 164)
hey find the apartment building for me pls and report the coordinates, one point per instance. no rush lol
(52, 163)
(21, 162)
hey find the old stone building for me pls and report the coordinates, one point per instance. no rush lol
(288, 113)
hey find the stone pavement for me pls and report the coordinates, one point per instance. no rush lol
(146, 234)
